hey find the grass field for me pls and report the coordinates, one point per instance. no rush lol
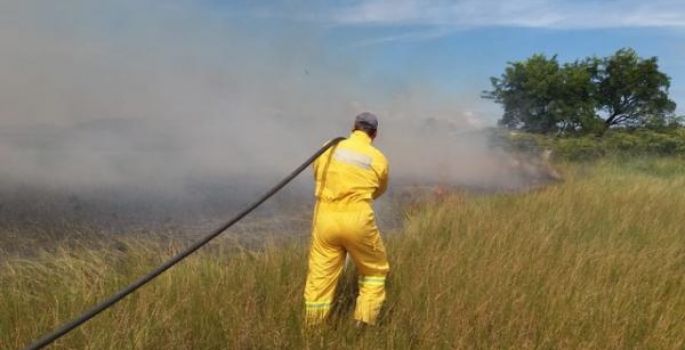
(597, 261)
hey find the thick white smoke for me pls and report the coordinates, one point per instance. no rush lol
(151, 94)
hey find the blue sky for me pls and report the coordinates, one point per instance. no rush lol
(457, 45)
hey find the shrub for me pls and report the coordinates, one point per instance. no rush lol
(623, 143)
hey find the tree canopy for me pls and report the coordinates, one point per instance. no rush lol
(588, 95)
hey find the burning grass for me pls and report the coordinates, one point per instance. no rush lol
(595, 262)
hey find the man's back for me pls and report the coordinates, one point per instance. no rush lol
(351, 173)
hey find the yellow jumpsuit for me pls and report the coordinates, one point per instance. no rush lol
(348, 178)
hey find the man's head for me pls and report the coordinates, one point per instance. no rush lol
(366, 122)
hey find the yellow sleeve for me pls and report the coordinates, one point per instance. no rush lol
(321, 163)
(315, 167)
(318, 160)
(382, 178)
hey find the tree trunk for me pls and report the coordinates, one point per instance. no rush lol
(610, 120)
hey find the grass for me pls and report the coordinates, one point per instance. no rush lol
(595, 262)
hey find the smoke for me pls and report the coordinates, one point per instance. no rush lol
(156, 95)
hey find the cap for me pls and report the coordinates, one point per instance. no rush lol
(367, 119)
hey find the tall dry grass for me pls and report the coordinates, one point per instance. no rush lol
(595, 262)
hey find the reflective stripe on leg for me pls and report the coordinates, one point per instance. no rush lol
(316, 311)
(317, 305)
(372, 280)
(370, 299)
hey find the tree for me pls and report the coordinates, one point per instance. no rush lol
(539, 95)
(574, 100)
(590, 95)
(632, 91)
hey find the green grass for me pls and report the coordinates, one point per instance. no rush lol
(597, 261)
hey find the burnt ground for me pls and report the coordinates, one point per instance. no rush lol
(35, 218)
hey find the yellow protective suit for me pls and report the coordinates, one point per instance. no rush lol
(348, 178)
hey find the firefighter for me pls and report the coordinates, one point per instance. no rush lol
(349, 176)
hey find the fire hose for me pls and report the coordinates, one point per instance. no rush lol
(118, 296)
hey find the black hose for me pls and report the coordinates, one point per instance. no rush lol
(69, 326)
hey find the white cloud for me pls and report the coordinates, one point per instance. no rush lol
(410, 36)
(559, 14)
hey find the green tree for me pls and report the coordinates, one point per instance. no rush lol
(590, 95)
(632, 91)
(540, 95)
(575, 97)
